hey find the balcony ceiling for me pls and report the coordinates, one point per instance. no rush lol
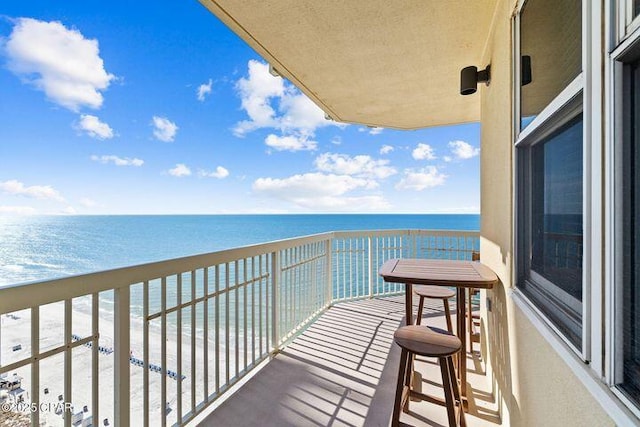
(377, 62)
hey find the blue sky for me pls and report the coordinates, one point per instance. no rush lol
(122, 108)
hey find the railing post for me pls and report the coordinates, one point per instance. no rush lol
(275, 300)
(121, 394)
(35, 365)
(67, 360)
(328, 287)
(371, 266)
(413, 237)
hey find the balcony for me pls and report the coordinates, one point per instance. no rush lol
(297, 331)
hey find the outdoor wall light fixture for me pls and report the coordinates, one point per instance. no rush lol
(470, 76)
(273, 71)
(525, 68)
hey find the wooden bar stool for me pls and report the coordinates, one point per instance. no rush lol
(428, 342)
(435, 292)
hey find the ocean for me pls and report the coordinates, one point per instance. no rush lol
(45, 247)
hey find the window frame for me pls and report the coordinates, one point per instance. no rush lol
(627, 24)
(554, 115)
(622, 53)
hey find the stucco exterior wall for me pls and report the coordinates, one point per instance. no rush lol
(533, 385)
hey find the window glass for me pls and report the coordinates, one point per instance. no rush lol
(636, 8)
(551, 224)
(631, 236)
(550, 40)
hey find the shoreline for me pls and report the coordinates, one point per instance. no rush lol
(16, 331)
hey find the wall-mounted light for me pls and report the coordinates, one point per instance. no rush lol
(273, 71)
(470, 76)
(525, 68)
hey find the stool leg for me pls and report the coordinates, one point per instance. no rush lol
(456, 391)
(447, 313)
(420, 307)
(408, 379)
(395, 421)
(447, 385)
(470, 319)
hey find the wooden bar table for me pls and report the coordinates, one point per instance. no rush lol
(458, 274)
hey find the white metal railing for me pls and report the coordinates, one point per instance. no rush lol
(157, 343)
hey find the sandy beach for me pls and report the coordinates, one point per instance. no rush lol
(15, 331)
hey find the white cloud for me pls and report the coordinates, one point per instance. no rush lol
(318, 191)
(371, 130)
(270, 103)
(301, 115)
(180, 170)
(256, 92)
(290, 143)
(164, 129)
(336, 140)
(59, 61)
(463, 150)
(386, 149)
(93, 127)
(35, 191)
(204, 90)
(421, 179)
(69, 210)
(88, 203)
(423, 152)
(118, 161)
(361, 166)
(310, 184)
(447, 158)
(219, 173)
(17, 210)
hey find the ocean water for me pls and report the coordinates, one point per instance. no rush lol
(46, 247)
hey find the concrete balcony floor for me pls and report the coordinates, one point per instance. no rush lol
(342, 372)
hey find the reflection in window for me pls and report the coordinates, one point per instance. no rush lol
(551, 260)
(631, 236)
(551, 34)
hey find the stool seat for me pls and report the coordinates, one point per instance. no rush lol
(427, 341)
(430, 342)
(434, 292)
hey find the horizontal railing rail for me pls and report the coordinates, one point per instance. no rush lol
(166, 339)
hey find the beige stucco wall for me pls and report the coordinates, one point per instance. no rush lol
(533, 385)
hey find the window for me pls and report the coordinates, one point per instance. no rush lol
(629, 381)
(551, 224)
(550, 37)
(550, 171)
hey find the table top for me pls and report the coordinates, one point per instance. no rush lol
(469, 274)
